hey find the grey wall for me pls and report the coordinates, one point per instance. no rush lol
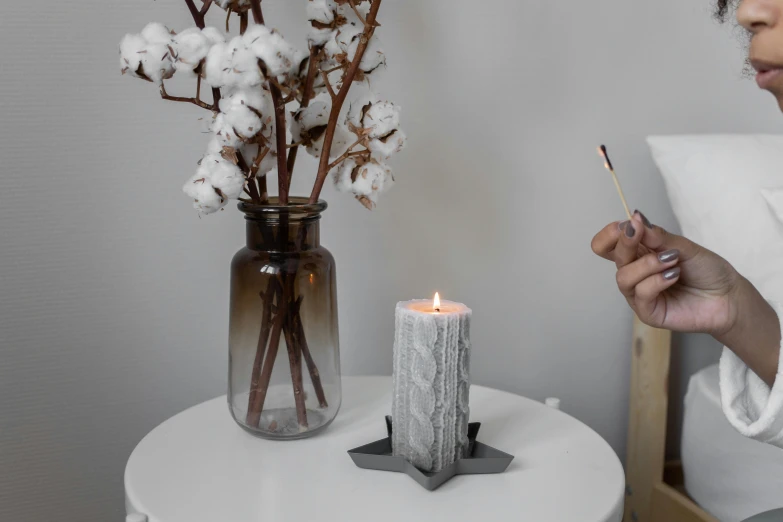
(113, 310)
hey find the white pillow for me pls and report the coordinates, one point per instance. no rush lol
(722, 189)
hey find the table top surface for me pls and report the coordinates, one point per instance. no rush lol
(199, 466)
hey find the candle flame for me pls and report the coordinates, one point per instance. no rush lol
(436, 302)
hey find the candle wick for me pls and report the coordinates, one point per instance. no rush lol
(437, 309)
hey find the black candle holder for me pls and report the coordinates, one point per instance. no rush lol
(480, 459)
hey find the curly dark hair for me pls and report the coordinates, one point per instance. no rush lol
(723, 8)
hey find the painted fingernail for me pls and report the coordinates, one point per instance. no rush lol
(622, 225)
(672, 273)
(644, 219)
(629, 230)
(669, 255)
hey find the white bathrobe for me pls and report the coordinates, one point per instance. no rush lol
(752, 407)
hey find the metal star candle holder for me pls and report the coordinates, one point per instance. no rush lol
(481, 459)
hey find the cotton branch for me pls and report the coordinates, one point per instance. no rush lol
(255, 6)
(198, 16)
(307, 93)
(194, 101)
(328, 85)
(282, 166)
(323, 166)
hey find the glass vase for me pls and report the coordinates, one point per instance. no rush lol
(284, 357)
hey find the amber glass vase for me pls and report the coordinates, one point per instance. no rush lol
(284, 357)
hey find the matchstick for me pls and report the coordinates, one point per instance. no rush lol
(608, 165)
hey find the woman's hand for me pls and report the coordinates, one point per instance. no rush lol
(669, 281)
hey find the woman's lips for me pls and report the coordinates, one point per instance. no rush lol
(766, 78)
(767, 73)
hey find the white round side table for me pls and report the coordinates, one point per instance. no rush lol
(199, 466)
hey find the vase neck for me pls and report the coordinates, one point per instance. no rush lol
(284, 235)
(283, 228)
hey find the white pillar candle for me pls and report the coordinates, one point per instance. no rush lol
(431, 379)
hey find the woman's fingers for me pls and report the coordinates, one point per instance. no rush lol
(605, 241)
(657, 239)
(647, 297)
(627, 247)
(632, 274)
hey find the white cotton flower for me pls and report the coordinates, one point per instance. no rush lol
(309, 123)
(232, 65)
(278, 56)
(224, 131)
(365, 181)
(321, 11)
(268, 164)
(148, 55)
(192, 45)
(234, 5)
(342, 175)
(385, 147)
(246, 112)
(214, 146)
(215, 182)
(373, 119)
(336, 48)
(373, 56)
(156, 33)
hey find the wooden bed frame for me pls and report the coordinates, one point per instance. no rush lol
(654, 488)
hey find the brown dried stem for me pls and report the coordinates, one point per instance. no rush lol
(263, 337)
(323, 166)
(346, 154)
(242, 164)
(307, 93)
(328, 85)
(282, 166)
(257, 406)
(198, 15)
(295, 362)
(243, 22)
(255, 6)
(315, 376)
(194, 101)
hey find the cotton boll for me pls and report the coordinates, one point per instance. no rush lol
(242, 70)
(318, 37)
(157, 62)
(144, 59)
(214, 183)
(156, 33)
(191, 46)
(131, 47)
(365, 181)
(373, 56)
(224, 131)
(205, 198)
(374, 120)
(214, 146)
(224, 175)
(321, 11)
(345, 10)
(382, 118)
(340, 143)
(309, 123)
(336, 48)
(385, 147)
(268, 164)
(217, 62)
(279, 57)
(342, 175)
(234, 5)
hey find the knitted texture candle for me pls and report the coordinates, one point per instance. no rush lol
(431, 380)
